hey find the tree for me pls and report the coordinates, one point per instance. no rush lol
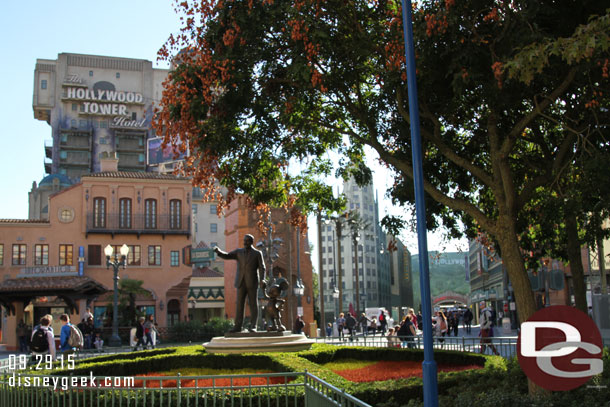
(259, 83)
(128, 291)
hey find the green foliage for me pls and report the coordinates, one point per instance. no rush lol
(499, 383)
(198, 331)
(129, 289)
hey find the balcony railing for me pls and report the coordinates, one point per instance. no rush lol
(139, 224)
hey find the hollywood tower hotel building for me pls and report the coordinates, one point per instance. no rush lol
(100, 190)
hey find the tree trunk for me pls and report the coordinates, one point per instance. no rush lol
(515, 267)
(575, 259)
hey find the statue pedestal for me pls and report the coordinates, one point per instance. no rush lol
(251, 342)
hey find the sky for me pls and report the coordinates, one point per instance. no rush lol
(42, 29)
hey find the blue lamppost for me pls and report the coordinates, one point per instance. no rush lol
(429, 366)
(115, 340)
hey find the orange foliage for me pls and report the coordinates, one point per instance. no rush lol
(497, 68)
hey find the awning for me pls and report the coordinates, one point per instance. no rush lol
(68, 288)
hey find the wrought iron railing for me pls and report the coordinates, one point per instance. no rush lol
(270, 389)
(506, 346)
(138, 224)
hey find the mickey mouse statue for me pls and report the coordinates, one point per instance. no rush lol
(275, 304)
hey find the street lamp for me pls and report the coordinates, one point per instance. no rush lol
(115, 340)
(193, 304)
(356, 238)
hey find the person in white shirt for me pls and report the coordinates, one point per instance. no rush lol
(485, 321)
(50, 348)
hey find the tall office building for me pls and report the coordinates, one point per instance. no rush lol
(373, 266)
(96, 104)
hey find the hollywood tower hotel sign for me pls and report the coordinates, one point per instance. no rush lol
(104, 102)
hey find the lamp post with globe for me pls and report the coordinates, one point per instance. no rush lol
(115, 340)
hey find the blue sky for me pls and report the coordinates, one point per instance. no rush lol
(44, 29)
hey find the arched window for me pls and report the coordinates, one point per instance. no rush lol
(99, 212)
(150, 214)
(175, 211)
(125, 213)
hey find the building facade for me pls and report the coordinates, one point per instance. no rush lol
(58, 265)
(96, 104)
(401, 279)
(372, 261)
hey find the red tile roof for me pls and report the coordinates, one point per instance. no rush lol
(206, 272)
(134, 174)
(24, 221)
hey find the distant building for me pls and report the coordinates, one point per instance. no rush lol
(96, 104)
(401, 279)
(374, 276)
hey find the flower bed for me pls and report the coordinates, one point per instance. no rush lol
(212, 382)
(371, 371)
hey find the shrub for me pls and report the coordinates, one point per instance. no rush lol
(196, 331)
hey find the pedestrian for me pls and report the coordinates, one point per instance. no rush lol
(420, 320)
(42, 341)
(341, 324)
(88, 314)
(140, 334)
(150, 331)
(363, 322)
(88, 330)
(406, 332)
(440, 326)
(98, 342)
(413, 319)
(453, 321)
(65, 334)
(373, 326)
(329, 330)
(299, 324)
(485, 320)
(22, 335)
(383, 322)
(350, 323)
(468, 320)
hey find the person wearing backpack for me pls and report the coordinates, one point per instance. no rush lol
(71, 338)
(42, 341)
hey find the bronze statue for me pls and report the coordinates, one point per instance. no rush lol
(275, 305)
(250, 274)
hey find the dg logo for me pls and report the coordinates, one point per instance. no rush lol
(560, 348)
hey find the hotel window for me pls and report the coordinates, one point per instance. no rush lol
(150, 214)
(43, 84)
(65, 255)
(154, 255)
(134, 258)
(99, 212)
(118, 75)
(19, 254)
(94, 255)
(194, 208)
(174, 258)
(125, 213)
(175, 209)
(213, 228)
(214, 209)
(1, 254)
(41, 255)
(90, 73)
(74, 107)
(103, 124)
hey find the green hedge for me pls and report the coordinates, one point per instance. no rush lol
(498, 383)
(196, 331)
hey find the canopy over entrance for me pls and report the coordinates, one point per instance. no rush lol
(68, 288)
